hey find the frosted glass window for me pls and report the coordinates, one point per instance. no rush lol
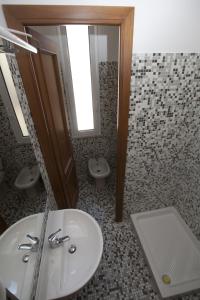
(79, 53)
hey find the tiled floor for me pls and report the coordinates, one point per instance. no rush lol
(123, 272)
(16, 204)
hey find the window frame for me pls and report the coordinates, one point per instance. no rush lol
(9, 96)
(69, 85)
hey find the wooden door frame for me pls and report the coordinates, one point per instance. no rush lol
(19, 16)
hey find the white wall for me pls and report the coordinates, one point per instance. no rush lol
(160, 25)
(107, 38)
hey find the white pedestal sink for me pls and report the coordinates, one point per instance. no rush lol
(63, 273)
(16, 275)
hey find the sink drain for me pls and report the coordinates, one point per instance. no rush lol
(72, 249)
(25, 258)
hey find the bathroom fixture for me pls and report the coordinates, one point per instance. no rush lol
(99, 169)
(66, 269)
(25, 258)
(72, 249)
(55, 241)
(28, 178)
(173, 252)
(9, 36)
(16, 275)
(30, 246)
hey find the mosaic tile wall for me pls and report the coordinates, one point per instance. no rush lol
(105, 144)
(163, 157)
(29, 122)
(14, 155)
(163, 168)
(16, 204)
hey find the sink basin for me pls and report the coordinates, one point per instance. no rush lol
(16, 275)
(63, 273)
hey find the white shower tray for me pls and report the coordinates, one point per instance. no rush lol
(172, 251)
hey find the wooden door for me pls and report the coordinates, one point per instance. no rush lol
(60, 162)
(18, 16)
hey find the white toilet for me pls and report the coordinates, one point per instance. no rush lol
(99, 169)
(27, 179)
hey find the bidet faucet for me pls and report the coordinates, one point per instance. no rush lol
(55, 241)
(33, 246)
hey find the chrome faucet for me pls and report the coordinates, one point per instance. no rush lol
(55, 241)
(33, 246)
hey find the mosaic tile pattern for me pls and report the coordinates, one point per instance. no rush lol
(31, 129)
(163, 157)
(105, 144)
(16, 204)
(123, 272)
(162, 170)
(14, 155)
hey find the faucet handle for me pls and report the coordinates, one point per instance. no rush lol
(64, 239)
(33, 239)
(25, 246)
(53, 235)
(55, 241)
(33, 246)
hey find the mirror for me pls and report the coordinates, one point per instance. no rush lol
(22, 188)
(22, 191)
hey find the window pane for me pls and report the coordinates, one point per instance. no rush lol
(78, 43)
